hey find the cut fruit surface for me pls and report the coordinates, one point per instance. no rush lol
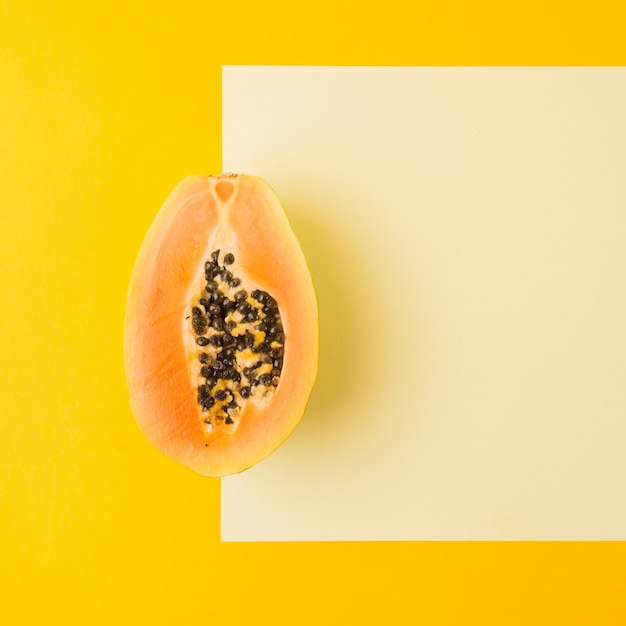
(221, 328)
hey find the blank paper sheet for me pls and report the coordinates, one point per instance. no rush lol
(466, 233)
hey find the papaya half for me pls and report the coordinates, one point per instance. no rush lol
(221, 327)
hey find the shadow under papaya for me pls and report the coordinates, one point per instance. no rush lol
(331, 260)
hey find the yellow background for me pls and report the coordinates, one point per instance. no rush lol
(103, 108)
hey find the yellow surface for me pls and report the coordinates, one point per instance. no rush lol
(103, 108)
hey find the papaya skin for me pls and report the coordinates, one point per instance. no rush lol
(242, 214)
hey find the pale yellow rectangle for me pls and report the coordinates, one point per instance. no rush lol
(466, 231)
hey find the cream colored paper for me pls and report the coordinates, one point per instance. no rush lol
(466, 231)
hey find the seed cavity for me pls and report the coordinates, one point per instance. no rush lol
(242, 341)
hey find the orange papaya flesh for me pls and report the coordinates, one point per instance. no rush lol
(221, 328)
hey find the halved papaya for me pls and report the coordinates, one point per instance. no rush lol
(221, 327)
